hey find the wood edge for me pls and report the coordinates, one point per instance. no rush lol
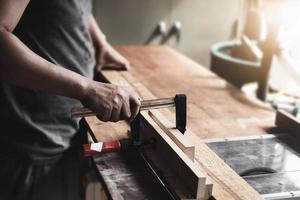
(89, 129)
(201, 185)
(186, 145)
(209, 187)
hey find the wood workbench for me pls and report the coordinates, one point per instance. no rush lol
(216, 109)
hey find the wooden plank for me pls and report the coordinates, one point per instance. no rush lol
(184, 177)
(182, 141)
(216, 109)
(185, 144)
(107, 131)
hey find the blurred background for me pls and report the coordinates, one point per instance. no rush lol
(202, 23)
(251, 43)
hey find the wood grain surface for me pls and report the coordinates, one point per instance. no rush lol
(215, 109)
(126, 177)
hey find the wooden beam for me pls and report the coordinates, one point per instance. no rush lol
(184, 178)
(184, 143)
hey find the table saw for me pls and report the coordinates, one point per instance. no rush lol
(216, 110)
(270, 164)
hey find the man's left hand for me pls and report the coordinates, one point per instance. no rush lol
(108, 58)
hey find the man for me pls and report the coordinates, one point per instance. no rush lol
(47, 60)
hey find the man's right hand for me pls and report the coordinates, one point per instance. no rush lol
(111, 102)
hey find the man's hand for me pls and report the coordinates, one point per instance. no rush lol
(111, 102)
(108, 57)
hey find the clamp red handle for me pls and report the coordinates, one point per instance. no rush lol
(101, 147)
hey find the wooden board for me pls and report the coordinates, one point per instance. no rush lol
(186, 145)
(215, 108)
(182, 175)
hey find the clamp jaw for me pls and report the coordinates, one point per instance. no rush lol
(180, 102)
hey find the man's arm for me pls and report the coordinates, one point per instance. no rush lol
(20, 66)
(106, 55)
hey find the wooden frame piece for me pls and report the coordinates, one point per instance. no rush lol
(184, 143)
(184, 179)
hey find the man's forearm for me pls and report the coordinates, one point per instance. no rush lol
(22, 67)
(97, 35)
(105, 53)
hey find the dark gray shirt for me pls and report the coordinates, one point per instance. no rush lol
(37, 123)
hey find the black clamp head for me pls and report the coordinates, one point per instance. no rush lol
(180, 105)
(180, 102)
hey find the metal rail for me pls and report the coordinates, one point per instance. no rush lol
(145, 105)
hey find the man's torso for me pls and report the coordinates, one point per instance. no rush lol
(35, 122)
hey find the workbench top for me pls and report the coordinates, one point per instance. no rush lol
(216, 109)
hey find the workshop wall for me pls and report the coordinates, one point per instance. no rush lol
(201, 23)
